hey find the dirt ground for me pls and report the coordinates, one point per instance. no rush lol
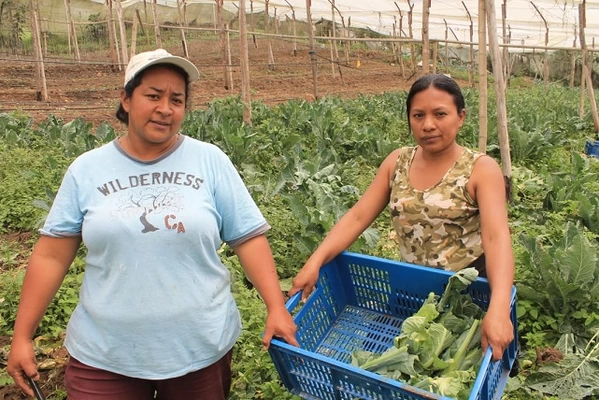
(91, 89)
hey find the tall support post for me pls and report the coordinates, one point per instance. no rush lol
(72, 30)
(113, 46)
(182, 28)
(502, 131)
(483, 119)
(156, 25)
(586, 67)
(470, 48)
(312, 49)
(411, 33)
(294, 28)
(506, 53)
(245, 65)
(42, 88)
(122, 31)
(545, 58)
(426, 11)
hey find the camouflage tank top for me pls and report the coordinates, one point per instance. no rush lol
(438, 227)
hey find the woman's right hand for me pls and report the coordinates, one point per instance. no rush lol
(21, 362)
(305, 280)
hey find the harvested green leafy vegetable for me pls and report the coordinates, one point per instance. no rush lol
(438, 348)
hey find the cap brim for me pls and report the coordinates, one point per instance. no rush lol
(181, 62)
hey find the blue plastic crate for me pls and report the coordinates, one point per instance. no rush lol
(359, 304)
(592, 149)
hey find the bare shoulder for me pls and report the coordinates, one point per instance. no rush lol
(486, 167)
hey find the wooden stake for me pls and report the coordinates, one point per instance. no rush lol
(182, 27)
(245, 66)
(122, 31)
(587, 67)
(229, 60)
(72, 30)
(502, 131)
(426, 11)
(42, 88)
(156, 25)
(134, 34)
(483, 119)
(111, 37)
(294, 29)
(312, 49)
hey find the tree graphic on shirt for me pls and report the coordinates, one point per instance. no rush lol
(152, 200)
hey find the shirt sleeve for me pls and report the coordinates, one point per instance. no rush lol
(65, 217)
(241, 217)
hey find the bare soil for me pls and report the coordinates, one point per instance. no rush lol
(91, 90)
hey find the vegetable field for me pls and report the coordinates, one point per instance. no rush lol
(306, 163)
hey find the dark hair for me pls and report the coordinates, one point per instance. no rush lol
(123, 115)
(440, 82)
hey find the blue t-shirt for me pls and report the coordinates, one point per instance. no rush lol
(155, 302)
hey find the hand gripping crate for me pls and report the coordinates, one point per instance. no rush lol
(359, 304)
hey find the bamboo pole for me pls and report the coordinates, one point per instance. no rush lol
(122, 31)
(294, 28)
(252, 26)
(113, 46)
(134, 35)
(573, 60)
(587, 65)
(470, 48)
(72, 30)
(229, 59)
(312, 49)
(42, 88)
(182, 28)
(271, 56)
(506, 54)
(401, 64)
(545, 58)
(156, 25)
(483, 119)
(426, 11)
(220, 23)
(245, 65)
(411, 35)
(502, 131)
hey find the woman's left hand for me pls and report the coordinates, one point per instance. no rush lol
(279, 323)
(497, 332)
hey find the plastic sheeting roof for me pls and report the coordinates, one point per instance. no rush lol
(526, 27)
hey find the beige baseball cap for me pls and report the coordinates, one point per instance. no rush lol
(141, 61)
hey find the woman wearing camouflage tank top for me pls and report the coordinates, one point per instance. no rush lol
(447, 203)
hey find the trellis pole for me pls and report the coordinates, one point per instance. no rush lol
(245, 66)
(271, 57)
(220, 23)
(483, 119)
(294, 28)
(573, 59)
(412, 49)
(182, 28)
(312, 49)
(502, 131)
(134, 34)
(122, 31)
(156, 25)
(426, 11)
(545, 57)
(72, 32)
(401, 65)
(506, 54)
(42, 88)
(112, 42)
(471, 49)
(587, 66)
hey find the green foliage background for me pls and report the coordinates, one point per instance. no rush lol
(306, 164)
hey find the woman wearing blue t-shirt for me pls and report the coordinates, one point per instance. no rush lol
(156, 314)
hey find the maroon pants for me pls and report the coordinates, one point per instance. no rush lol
(88, 383)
